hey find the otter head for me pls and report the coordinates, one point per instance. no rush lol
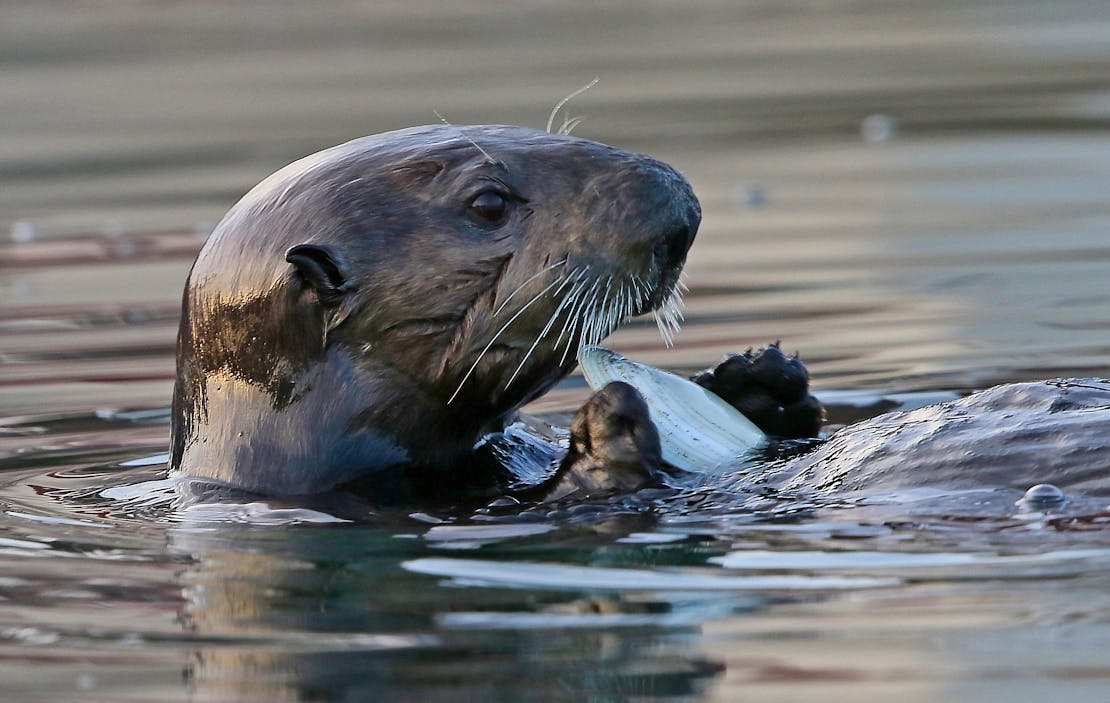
(389, 300)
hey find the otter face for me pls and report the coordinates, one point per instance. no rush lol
(498, 251)
(452, 269)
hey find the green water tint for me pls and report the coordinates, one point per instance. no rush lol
(911, 194)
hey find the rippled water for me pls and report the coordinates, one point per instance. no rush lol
(916, 196)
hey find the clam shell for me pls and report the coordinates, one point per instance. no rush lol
(697, 430)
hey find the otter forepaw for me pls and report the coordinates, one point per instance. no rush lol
(614, 447)
(770, 388)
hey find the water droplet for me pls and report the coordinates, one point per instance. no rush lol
(1043, 494)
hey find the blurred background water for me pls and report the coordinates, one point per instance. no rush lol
(916, 195)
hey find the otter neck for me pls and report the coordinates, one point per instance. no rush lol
(332, 434)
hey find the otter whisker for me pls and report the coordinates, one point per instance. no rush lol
(572, 298)
(664, 331)
(587, 336)
(569, 124)
(641, 290)
(577, 294)
(600, 314)
(608, 321)
(531, 278)
(618, 314)
(568, 298)
(616, 309)
(567, 278)
(596, 316)
(489, 159)
(636, 296)
(564, 101)
(669, 315)
(602, 322)
(583, 337)
(664, 322)
(579, 315)
(504, 327)
(546, 328)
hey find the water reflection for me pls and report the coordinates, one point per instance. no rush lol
(330, 613)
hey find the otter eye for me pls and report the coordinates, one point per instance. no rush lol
(488, 207)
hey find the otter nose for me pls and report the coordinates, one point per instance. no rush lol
(677, 228)
(670, 250)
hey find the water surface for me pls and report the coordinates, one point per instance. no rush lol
(913, 195)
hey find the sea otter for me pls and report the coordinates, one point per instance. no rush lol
(376, 308)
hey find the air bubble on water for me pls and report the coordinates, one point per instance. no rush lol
(878, 128)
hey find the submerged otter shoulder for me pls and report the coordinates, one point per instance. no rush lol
(1011, 436)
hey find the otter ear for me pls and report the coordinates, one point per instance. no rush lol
(318, 268)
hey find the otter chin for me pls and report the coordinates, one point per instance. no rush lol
(387, 302)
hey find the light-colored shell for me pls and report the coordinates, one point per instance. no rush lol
(697, 430)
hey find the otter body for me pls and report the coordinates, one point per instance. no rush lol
(387, 302)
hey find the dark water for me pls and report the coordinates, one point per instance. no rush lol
(916, 196)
